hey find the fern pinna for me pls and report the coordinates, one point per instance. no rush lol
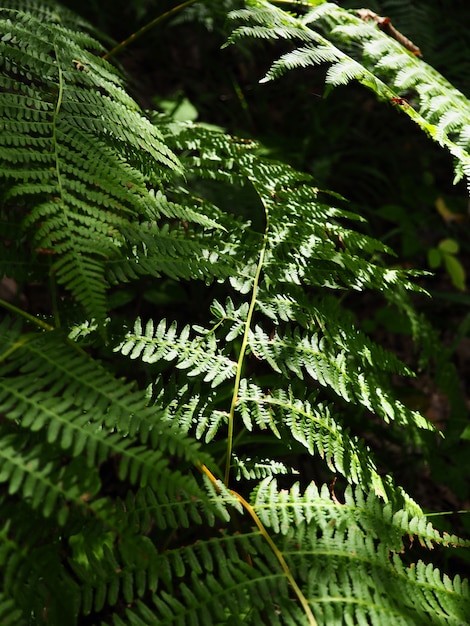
(149, 472)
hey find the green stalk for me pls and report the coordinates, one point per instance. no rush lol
(278, 554)
(25, 338)
(145, 28)
(17, 311)
(241, 356)
(302, 3)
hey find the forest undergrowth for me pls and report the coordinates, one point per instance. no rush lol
(234, 330)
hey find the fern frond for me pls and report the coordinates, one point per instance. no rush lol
(190, 405)
(154, 251)
(311, 423)
(294, 353)
(9, 613)
(25, 555)
(111, 513)
(279, 23)
(385, 67)
(147, 507)
(84, 411)
(340, 534)
(45, 484)
(236, 577)
(77, 148)
(198, 356)
(404, 72)
(251, 469)
(52, 12)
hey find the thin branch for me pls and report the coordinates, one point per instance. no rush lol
(241, 356)
(17, 311)
(146, 28)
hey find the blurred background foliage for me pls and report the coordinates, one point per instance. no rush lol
(363, 149)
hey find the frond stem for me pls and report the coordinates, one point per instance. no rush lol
(17, 311)
(438, 513)
(34, 320)
(16, 346)
(307, 3)
(145, 28)
(59, 177)
(278, 554)
(241, 356)
(58, 105)
(280, 557)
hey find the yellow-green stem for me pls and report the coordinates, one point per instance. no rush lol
(25, 314)
(278, 554)
(302, 3)
(146, 28)
(241, 356)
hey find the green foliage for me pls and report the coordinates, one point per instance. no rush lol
(445, 254)
(128, 440)
(382, 65)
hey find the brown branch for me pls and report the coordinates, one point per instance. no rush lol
(385, 24)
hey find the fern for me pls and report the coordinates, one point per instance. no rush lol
(140, 460)
(81, 156)
(197, 356)
(383, 65)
